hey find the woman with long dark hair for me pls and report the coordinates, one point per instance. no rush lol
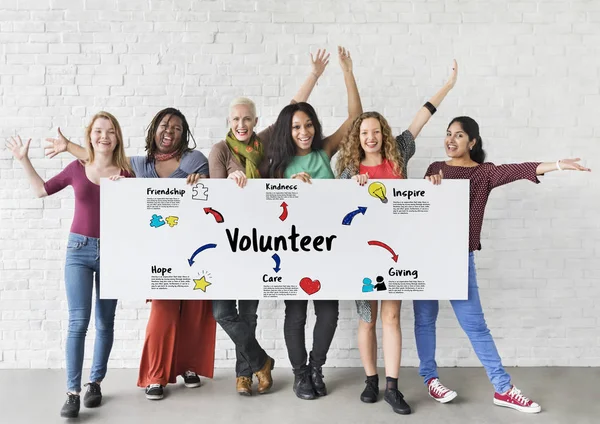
(464, 147)
(299, 150)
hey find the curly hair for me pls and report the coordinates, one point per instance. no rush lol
(186, 135)
(352, 153)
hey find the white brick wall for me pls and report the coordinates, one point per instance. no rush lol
(529, 74)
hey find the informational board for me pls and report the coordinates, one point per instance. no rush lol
(284, 239)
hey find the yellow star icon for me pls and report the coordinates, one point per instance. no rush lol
(201, 284)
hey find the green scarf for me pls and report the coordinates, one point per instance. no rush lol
(250, 155)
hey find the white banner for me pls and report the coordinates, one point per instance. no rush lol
(284, 239)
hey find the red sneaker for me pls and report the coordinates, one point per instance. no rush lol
(515, 399)
(440, 392)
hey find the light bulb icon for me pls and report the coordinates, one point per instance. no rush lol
(377, 190)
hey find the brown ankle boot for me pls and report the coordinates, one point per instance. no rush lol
(243, 386)
(265, 381)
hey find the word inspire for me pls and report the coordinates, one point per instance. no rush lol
(266, 243)
(409, 193)
(167, 192)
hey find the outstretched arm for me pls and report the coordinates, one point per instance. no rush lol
(332, 143)
(60, 144)
(561, 165)
(424, 114)
(21, 153)
(318, 65)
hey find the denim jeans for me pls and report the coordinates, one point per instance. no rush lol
(241, 329)
(83, 261)
(471, 319)
(327, 312)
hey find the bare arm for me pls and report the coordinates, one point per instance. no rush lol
(60, 144)
(423, 115)
(21, 152)
(561, 165)
(318, 65)
(332, 143)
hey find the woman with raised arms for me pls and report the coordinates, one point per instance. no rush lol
(300, 151)
(371, 152)
(105, 157)
(238, 158)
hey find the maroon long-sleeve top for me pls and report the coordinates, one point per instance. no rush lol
(484, 178)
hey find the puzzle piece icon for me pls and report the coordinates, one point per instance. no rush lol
(157, 221)
(172, 220)
(200, 192)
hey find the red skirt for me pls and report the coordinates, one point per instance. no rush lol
(180, 336)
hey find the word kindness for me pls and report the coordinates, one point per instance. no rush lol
(165, 192)
(263, 243)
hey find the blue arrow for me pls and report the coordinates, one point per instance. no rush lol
(277, 260)
(349, 217)
(200, 249)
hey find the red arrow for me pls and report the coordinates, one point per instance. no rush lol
(218, 217)
(386, 247)
(284, 214)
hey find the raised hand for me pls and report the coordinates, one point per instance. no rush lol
(345, 59)
(453, 75)
(571, 165)
(19, 150)
(320, 62)
(57, 145)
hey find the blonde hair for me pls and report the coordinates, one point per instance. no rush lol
(243, 101)
(352, 153)
(119, 158)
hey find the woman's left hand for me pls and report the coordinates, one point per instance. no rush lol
(192, 179)
(115, 177)
(304, 176)
(572, 165)
(435, 179)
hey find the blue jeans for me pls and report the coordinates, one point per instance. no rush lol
(470, 317)
(83, 260)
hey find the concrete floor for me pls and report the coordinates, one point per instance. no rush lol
(567, 396)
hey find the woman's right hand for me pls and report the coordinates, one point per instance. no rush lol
(361, 178)
(19, 150)
(54, 146)
(304, 176)
(239, 177)
(345, 59)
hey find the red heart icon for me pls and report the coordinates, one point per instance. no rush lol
(310, 286)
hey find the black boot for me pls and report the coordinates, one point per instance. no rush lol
(371, 392)
(396, 399)
(316, 376)
(302, 384)
(71, 407)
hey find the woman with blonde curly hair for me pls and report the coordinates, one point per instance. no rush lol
(371, 151)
